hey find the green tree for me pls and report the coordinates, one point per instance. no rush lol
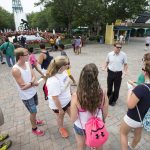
(62, 11)
(7, 20)
(123, 9)
(92, 13)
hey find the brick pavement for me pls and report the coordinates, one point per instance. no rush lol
(17, 118)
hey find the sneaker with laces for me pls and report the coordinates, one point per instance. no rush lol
(38, 132)
(63, 132)
(39, 122)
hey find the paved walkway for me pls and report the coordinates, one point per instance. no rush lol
(17, 118)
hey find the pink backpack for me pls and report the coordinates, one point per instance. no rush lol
(96, 133)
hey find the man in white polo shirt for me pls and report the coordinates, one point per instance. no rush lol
(116, 65)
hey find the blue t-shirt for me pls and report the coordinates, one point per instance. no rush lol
(143, 94)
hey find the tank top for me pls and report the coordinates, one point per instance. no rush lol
(46, 61)
(27, 77)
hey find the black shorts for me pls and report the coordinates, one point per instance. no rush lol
(64, 108)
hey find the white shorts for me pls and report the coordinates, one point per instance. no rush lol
(132, 123)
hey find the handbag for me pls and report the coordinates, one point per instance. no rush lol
(146, 121)
(1, 117)
(4, 50)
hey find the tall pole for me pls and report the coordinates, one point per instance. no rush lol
(16, 6)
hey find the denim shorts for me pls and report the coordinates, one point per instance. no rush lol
(78, 130)
(31, 104)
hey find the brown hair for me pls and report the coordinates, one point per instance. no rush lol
(55, 65)
(89, 92)
(146, 57)
(19, 52)
(147, 68)
(117, 43)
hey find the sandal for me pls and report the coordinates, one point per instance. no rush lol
(63, 132)
(6, 145)
(3, 137)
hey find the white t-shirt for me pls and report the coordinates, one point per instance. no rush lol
(116, 62)
(121, 38)
(59, 85)
(147, 40)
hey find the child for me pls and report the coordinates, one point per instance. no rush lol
(87, 101)
(33, 61)
(58, 86)
(63, 53)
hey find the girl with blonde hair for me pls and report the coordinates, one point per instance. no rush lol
(58, 85)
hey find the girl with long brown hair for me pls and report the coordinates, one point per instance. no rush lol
(87, 101)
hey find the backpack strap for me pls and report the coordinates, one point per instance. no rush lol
(102, 106)
(7, 45)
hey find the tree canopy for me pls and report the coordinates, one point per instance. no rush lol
(6, 20)
(92, 13)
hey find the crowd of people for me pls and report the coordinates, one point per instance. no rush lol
(90, 100)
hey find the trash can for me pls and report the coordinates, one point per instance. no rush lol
(101, 40)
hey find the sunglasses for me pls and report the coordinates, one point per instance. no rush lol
(25, 55)
(118, 47)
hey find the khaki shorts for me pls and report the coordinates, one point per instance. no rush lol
(1, 117)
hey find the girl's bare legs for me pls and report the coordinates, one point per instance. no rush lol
(68, 111)
(80, 142)
(60, 120)
(124, 131)
(137, 137)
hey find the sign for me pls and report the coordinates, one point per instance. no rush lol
(118, 22)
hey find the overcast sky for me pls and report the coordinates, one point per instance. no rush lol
(28, 5)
